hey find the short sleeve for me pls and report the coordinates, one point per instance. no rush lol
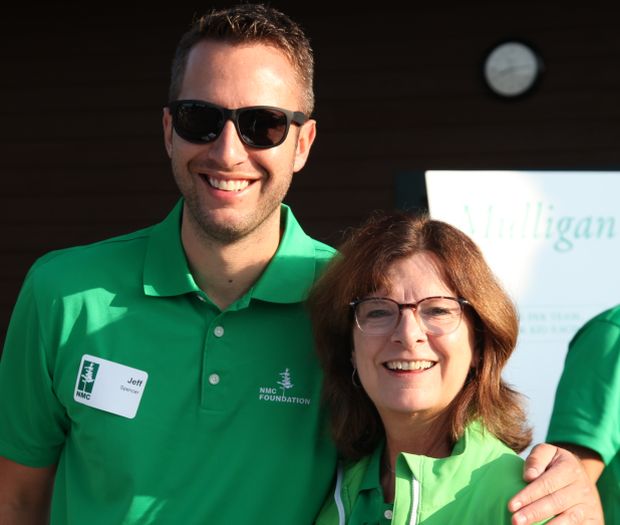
(32, 420)
(586, 411)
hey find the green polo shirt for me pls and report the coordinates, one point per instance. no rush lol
(471, 486)
(586, 411)
(157, 406)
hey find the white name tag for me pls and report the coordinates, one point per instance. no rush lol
(109, 386)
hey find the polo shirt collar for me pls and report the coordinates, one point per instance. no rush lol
(166, 272)
(292, 270)
(286, 279)
(372, 476)
(450, 464)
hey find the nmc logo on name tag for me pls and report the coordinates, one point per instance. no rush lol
(109, 386)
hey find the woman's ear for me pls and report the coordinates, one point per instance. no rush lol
(356, 382)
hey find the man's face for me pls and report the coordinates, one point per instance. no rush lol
(232, 189)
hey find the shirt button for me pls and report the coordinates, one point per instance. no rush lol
(201, 298)
(388, 514)
(214, 379)
(218, 331)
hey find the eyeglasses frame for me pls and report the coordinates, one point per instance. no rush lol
(292, 117)
(353, 305)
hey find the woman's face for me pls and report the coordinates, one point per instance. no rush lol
(408, 371)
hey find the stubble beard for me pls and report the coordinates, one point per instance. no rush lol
(226, 233)
(211, 229)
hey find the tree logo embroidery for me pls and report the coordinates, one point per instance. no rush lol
(88, 374)
(285, 384)
(281, 395)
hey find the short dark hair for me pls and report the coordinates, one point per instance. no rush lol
(249, 24)
(360, 269)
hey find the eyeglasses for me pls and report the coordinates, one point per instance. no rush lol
(435, 315)
(258, 126)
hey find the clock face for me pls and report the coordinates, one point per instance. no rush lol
(511, 69)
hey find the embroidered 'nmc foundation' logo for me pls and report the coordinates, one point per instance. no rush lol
(273, 394)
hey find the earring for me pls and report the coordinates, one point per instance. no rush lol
(353, 380)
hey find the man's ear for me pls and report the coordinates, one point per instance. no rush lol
(307, 134)
(167, 126)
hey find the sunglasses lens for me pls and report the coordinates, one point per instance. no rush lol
(263, 128)
(202, 122)
(196, 122)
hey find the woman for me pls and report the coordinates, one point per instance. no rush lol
(413, 331)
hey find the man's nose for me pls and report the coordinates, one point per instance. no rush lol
(228, 149)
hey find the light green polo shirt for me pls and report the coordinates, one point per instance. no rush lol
(157, 406)
(472, 486)
(586, 410)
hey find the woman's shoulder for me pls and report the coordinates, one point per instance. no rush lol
(488, 450)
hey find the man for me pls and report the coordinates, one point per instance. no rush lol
(586, 412)
(168, 376)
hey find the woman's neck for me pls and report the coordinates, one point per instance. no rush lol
(430, 438)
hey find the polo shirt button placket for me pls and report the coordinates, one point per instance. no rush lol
(214, 379)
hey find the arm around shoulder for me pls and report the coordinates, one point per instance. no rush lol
(25, 493)
(591, 460)
(559, 486)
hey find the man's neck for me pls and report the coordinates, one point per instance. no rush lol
(226, 271)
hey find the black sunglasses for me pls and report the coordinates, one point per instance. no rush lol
(258, 126)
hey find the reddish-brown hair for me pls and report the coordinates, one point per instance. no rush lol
(360, 269)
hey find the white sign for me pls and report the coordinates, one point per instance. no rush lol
(553, 239)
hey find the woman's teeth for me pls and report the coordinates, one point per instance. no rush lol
(409, 365)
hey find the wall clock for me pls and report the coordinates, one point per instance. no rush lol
(512, 69)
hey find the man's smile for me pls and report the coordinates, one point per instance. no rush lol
(228, 184)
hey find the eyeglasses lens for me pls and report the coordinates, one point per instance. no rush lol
(439, 316)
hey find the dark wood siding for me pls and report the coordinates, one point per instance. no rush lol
(399, 90)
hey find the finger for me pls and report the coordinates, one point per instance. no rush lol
(557, 504)
(539, 459)
(577, 503)
(573, 516)
(563, 470)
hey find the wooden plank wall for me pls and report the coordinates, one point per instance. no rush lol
(399, 90)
